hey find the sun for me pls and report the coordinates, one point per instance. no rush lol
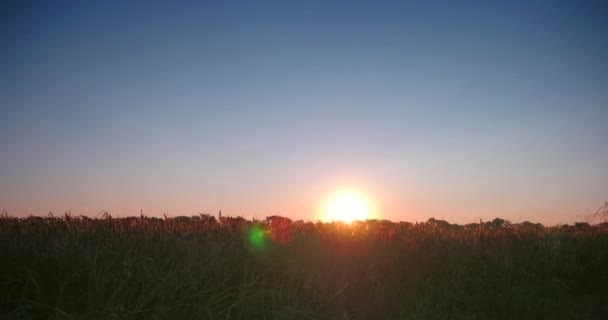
(347, 206)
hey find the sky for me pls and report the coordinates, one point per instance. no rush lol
(455, 110)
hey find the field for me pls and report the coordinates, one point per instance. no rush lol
(200, 268)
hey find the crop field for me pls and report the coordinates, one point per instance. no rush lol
(200, 268)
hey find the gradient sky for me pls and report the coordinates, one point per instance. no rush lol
(463, 112)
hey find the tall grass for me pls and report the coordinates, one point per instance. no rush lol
(197, 268)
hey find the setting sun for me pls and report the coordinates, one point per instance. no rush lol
(347, 206)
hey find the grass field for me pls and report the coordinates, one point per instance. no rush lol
(198, 268)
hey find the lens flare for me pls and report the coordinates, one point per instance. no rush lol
(257, 237)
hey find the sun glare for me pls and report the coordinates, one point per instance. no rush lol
(347, 206)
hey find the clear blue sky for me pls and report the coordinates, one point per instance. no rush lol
(451, 110)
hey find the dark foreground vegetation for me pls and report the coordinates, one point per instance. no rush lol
(200, 268)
